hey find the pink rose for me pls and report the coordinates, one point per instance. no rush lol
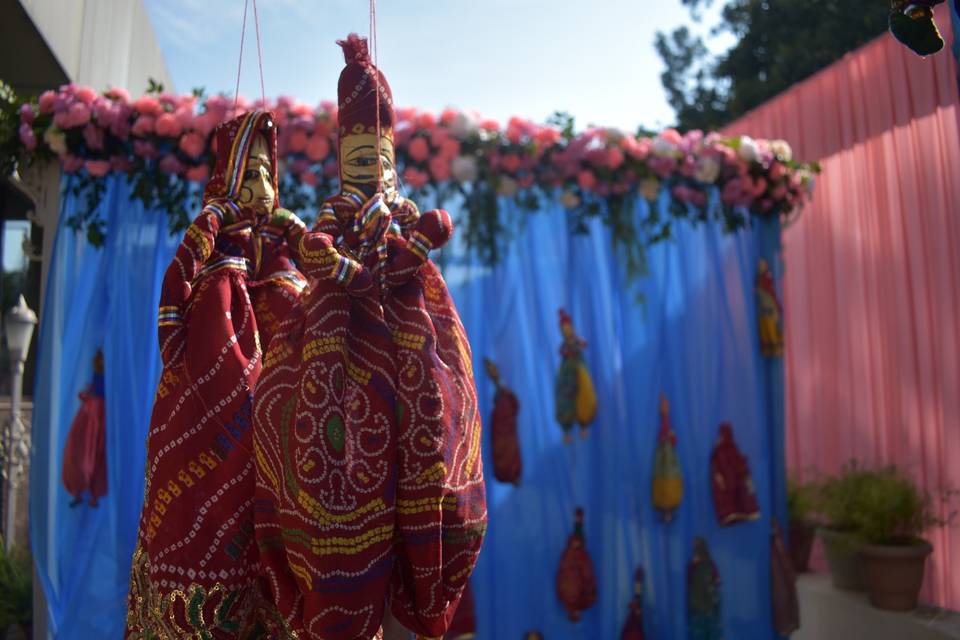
(192, 144)
(318, 148)
(27, 137)
(86, 95)
(71, 163)
(514, 133)
(185, 117)
(27, 115)
(147, 105)
(587, 180)
(525, 181)
(47, 101)
(418, 149)
(510, 162)
(198, 173)
(547, 136)
(143, 126)
(406, 114)
(205, 123)
(144, 149)
(98, 168)
(662, 166)
(118, 93)
(777, 171)
(440, 168)
(309, 178)
(438, 136)
(615, 158)
(168, 126)
(448, 116)
(490, 125)
(120, 128)
(425, 120)
(672, 136)
(415, 178)
(779, 192)
(77, 115)
(170, 164)
(104, 113)
(93, 136)
(450, 149)
(298, 141)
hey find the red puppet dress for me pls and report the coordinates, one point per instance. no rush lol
(733, 493)
(84, 455)
(195, 566)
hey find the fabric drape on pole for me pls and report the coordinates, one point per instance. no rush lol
(96, 298)
(872, 277)
(694, 338)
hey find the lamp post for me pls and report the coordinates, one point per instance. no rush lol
(19, 322)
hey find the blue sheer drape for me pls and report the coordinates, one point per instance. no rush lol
(96, 298)
(693, 338)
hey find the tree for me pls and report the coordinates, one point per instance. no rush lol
(779, 43)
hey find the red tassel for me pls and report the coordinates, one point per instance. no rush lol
(576, 581)
(355, 49)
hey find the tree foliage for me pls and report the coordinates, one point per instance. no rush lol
(778, 43)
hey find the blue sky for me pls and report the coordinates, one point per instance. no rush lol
(591, 58)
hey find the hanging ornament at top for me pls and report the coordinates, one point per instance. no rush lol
(633, 627)
(84, 455)
(733, 493)
(576, 582)
(576, 400)
(912, 23)
(768, 312)
(667, 476)
(507, 462)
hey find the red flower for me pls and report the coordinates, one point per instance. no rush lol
(511, 162)
(192, 144)
(318, 148)
(98, 168)
(440, 168)
(587, 180)
(415, 178)
(167, 125)
(418, 149)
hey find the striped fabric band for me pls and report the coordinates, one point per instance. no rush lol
(169, 316)
(344, 271)
(240, 264)
(419, 243)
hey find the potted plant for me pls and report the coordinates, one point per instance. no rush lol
(889, 516)
(801, 507)
(837, 499)
(16, 590)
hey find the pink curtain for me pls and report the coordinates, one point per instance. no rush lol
(872, 273)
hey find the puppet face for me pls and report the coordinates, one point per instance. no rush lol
(358, 162)
(257, 192)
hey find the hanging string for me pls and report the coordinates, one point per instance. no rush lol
(243, 34)
(256, 24)
(376, 86)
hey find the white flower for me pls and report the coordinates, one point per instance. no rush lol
(569, 199)
(708, 170)
(463, 126)
(56, 140)
(781, 149)
(663, 147)
(464, 169)
(508, 187)
(749, 149)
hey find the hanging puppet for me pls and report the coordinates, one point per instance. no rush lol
(507, 463)
(369, 480)
(734, 496)
(783, 586)
(532, 635)
(667, 477)
(633, 627)
(769, 312)
(194, 569)
(576, 582)
(576, 399)
(912, 23)
(84, 455)
(703, 595)
(464, 624)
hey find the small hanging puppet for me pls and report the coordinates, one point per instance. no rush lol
(366, 426)
(576, 582)
(703, 595)
(912, 23)
(464, 623)
(532, 635)
(783, 586)
(633, 627)
(84, 455)
(769, 312)
(576, 399)
(507, 462)
(667, 477)
(734, 496)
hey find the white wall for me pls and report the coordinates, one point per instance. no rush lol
(101, 43)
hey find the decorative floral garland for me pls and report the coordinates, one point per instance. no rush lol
(162, 142)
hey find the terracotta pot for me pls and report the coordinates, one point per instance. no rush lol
(893, 575)
(801, 544)
(841, 550)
